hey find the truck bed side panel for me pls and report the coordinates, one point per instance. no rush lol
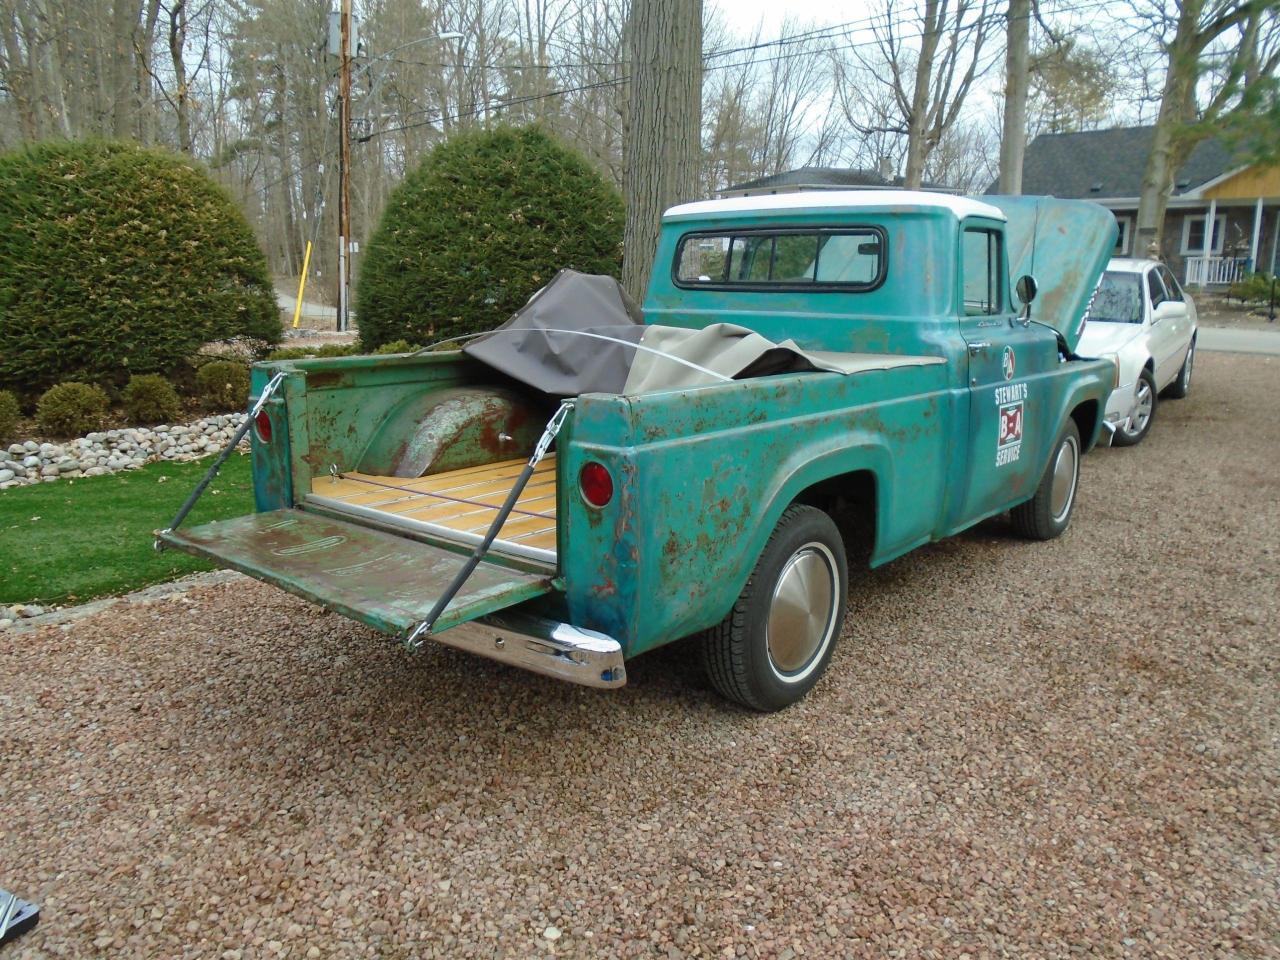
(704, 475)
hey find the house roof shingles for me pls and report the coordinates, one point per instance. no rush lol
(1110, 163)
(825, 177)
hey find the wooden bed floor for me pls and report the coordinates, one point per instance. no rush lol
(465, 500)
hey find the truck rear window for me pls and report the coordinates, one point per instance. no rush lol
(844, 258)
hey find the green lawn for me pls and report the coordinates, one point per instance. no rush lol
(74, 540)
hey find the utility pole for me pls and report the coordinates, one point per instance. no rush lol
(344, 167)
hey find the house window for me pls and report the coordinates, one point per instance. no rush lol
(1124, 239)
(1193, 234)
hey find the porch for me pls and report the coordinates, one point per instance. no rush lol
(1204, 271)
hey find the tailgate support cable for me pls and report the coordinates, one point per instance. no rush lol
(271, 387)
(418, 637)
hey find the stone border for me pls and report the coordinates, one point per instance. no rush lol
(114, 450)
(16, 619)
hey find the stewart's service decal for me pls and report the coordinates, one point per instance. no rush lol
(1010, 409)
(1008, 363)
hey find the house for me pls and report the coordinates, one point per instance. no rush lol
(825, 178)
(1241, 200)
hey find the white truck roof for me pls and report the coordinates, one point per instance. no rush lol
(803, 200)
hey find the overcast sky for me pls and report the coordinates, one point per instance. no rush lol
(743, 16)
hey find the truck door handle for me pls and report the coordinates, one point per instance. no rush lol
(978, 347)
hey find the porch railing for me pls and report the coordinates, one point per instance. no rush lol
(1211, 270)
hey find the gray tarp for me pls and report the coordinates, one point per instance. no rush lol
(581, 333)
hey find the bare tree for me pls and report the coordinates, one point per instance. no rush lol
(929, 80)
(662, 135)
(1013, 140)
(1233, 40)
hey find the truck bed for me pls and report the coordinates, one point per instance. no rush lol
(458, 505)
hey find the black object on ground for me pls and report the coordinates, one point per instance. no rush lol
(22, 917)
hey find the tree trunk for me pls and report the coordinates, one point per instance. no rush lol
(1013, 141)
(665, 122)
(177, 53)
(917, 122)
(1168, 150)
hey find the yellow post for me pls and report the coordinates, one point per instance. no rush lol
(302, 285)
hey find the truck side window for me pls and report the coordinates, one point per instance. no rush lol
(789, 258)
(981, 249)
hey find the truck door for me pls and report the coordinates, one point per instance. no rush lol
(1009, 402)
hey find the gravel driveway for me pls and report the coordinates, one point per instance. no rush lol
(1036, 750)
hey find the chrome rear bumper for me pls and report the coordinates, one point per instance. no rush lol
(544, 646)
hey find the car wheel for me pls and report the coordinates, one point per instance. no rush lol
(1182, 386)
(777, 640)
(1047, 514)
(1144, 411)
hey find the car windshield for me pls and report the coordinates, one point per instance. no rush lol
(1118, 298)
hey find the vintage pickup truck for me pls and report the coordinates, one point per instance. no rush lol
(923, 396)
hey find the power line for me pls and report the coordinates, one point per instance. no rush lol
(754, 61)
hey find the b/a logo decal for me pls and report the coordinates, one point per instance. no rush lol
(1010, 412)
(1008, 363)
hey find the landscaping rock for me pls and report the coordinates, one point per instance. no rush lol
(110, 451)
(6, 475)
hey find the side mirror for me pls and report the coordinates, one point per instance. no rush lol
(1026, 288)
(1166, 310)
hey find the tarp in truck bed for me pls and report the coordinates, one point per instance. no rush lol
(581, 333)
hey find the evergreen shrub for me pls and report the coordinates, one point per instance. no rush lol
(484, 222)
(1255, 288)
(223, 385)
(116, 260)
(397, 346)
(71, 409)
(9, 414)
(150, 398)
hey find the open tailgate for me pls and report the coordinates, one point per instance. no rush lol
(384, 580)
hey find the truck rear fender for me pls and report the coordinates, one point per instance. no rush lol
(806, 476)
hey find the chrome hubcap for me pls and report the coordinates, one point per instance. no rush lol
(1066, 466)
(1186, 366)
(802, 612)
(1144, 400)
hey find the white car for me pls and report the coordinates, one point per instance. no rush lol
(1141, 318)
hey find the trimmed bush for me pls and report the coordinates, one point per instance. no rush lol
(308, 353)
(115, 260)
(71, 409)
(290, 353)
(397, 346)
(9, 414)
(1255, 288)
(223, 385)
(150, 398)
(482, 224)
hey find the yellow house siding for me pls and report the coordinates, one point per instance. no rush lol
(1252, 182)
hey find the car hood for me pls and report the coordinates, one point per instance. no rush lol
(1065, 245)
(1101, 337)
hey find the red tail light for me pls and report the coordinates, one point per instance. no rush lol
(262, 423)
(597, 485)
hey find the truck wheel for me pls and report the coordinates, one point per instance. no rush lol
(1047, 514)
(777, 640)
(1179, 389)
(1144, 411)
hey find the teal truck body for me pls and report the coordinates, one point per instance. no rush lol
(732, 505)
